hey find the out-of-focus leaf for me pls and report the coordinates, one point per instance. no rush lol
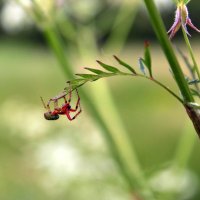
(194, 92)
(125, 65)
(192, 82)
(75, 83)
(187, 63)
(87, 76)
(147, 58)
(108, 67)
(142, 67)
(186, 1)
(96, 71)
(187, 79)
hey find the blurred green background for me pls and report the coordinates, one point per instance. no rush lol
(62, 160)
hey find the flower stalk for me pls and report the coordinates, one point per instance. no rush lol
(193, 112)
(168, 50)
(195, 66)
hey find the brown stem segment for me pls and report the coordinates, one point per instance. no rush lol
(194, 114)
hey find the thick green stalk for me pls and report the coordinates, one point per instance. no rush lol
(168, 50)
(119, 146)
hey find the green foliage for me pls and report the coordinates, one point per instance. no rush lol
(142, 65)
(108, 67)
(147, 58)
(146, 61)
(192, 82)
(108, 71)
(195, 92)
(96, 71)
(125, 65)
(186, 1)
(182, 1)
(114, 71)
(97, 74)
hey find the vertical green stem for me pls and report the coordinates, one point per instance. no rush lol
(119, 145)
(195, 66)
(55, 43)
(168, 50)
(117, 130)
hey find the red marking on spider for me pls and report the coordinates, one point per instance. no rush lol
(65, 109)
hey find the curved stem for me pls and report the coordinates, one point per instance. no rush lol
(133, 75)
(164, 87)
(157, 82)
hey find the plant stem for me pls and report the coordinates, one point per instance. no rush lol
(122, 139)
(157, 82)
(195, 66)
(118, 144)
(55, 43)
(168, 50)
(166, 88)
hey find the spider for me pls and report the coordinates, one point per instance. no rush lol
(65, 109)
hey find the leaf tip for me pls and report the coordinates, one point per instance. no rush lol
(146, 43)
(116, 57)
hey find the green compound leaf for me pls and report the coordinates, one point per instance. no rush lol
(88, 76)
(125, 65)
(96, 71)
(75, 83)
(108, 67)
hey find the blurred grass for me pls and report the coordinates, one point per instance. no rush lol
(29, 71)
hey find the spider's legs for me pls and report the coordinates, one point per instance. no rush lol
(74, 110)
(70, 93)
(48, 105)
(43, 103)
(77, 103)
(65, 99)
(56, 107)
(74, 117)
